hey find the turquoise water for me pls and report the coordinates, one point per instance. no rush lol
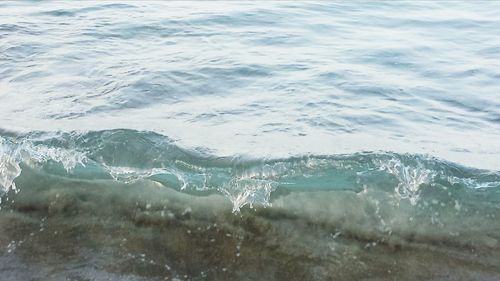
(249, 141)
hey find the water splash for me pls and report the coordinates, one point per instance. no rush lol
(9, 171)
(13, 153)
(243, 192)
(410, 178)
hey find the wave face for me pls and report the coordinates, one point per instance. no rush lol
(127, 155)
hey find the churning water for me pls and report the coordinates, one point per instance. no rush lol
(249, 140)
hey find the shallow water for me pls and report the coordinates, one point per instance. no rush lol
(249, 141)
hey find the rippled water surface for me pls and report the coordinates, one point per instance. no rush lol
(265, 79)
(249, 140)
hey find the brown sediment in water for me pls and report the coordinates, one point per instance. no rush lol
(79, 230)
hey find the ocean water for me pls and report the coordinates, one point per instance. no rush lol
(249, 140)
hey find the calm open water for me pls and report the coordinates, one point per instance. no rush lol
(265, 79)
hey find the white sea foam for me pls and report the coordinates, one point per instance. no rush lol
(410, 178)
(13, 153)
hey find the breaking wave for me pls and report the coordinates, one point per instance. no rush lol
(128, 155)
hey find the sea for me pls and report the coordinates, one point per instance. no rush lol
(249, 140)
